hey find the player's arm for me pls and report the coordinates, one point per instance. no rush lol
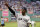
(12, 11)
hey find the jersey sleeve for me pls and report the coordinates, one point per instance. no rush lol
(29, 20)
(12, 11)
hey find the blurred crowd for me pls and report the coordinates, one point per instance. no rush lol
(20, 4)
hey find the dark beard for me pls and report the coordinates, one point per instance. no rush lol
(23, 14)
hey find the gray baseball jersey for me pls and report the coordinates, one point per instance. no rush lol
(22, 20)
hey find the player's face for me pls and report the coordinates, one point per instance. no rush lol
(23, 11)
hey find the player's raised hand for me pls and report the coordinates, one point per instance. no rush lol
(6, 4)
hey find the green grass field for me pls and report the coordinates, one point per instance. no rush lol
(14, 24)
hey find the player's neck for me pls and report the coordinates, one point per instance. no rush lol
(23, 15)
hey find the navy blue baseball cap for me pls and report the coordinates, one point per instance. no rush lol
(25, 8)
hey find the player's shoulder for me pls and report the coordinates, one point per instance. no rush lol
(27, 16)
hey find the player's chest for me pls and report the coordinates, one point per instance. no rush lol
(22, 17)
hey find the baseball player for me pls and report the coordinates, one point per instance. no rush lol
(22, 19)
